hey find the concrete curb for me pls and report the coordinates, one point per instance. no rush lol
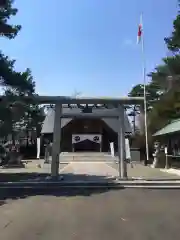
(150, 179)
(171, 171)
(91, 184)
(90, 187)
(153, 186)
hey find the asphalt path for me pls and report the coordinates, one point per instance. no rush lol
(90, 214)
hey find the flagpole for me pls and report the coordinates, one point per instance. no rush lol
(145, 100)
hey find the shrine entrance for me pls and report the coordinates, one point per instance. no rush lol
(116, 111)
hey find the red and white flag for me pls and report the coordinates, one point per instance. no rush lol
(140, 31)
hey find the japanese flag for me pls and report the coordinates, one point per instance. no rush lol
(140, 31)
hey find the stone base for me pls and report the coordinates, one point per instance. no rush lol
(19, 165)
(47, 161)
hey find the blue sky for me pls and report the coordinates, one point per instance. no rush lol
(89, 45)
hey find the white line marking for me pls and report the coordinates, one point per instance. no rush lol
(111, 167)
(65, 167)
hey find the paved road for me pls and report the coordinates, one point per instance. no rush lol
(86, 215)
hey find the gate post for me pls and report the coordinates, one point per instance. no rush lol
(56, 148)
(121, 144)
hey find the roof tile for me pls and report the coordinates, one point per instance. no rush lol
(174, 126)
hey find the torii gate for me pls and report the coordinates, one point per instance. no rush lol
(59, 100)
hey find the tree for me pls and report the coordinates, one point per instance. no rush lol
(166, 81)
(166, 76)
(14, 83)
(8, 76)
(173, 42)
(76, 93)
(6, 11)
(17, 82)
(151, 93)
(163, 89)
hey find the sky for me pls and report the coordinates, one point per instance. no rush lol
(89, 46)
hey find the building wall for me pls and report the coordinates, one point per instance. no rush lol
(86, 126)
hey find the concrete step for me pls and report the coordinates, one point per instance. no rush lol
(70, 157)
(85, 154)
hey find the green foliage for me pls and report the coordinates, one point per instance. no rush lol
(173, 42)
(164, 110)
(21, 83)
(15, 83)
(6, 12)
(163, 89)
(151, 93)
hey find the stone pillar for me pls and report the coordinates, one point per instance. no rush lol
(121, 144)
(56, 149)
(73, 150)
(101, 132)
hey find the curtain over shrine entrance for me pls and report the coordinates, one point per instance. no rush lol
(87, 142)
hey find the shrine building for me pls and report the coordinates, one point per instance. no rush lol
(81, 134)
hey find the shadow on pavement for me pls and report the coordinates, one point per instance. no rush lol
(36, 176)
(16, 177)
(15, 194)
